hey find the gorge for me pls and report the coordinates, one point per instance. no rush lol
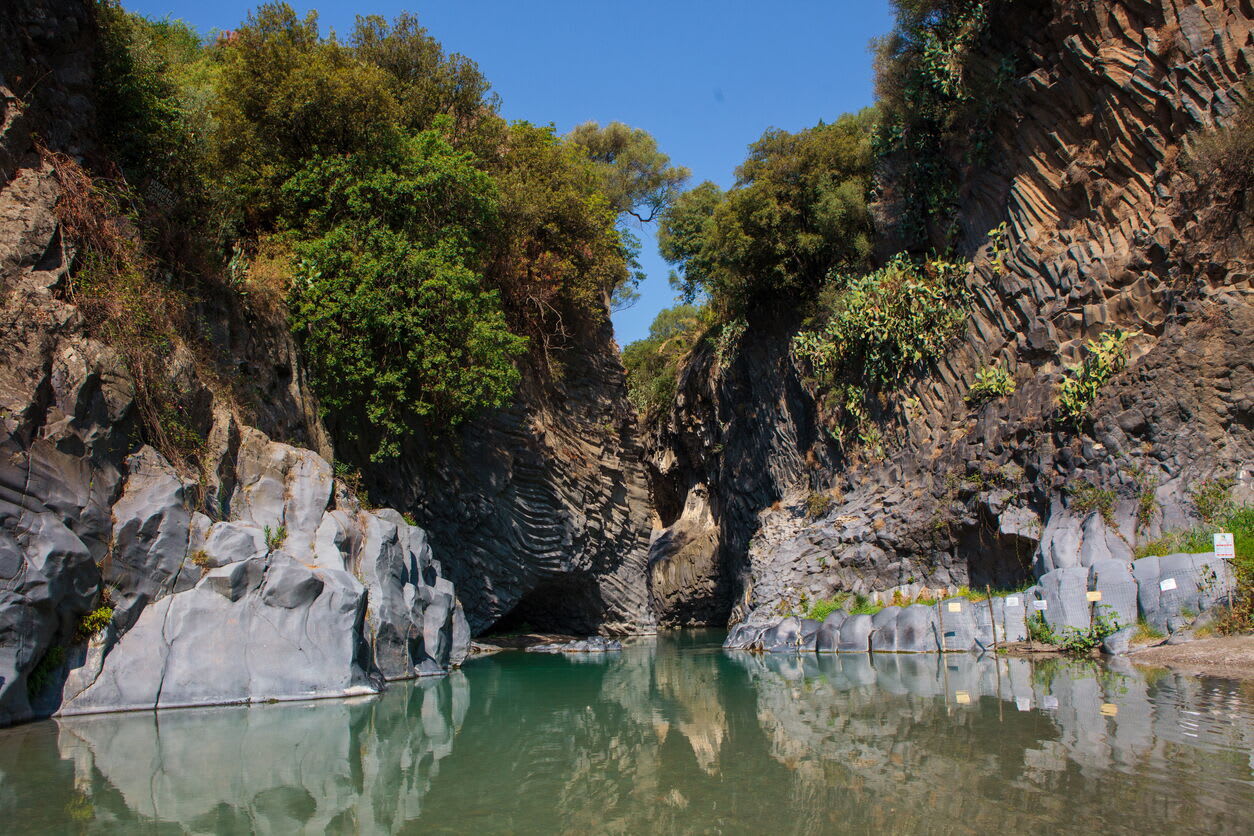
(309, 387)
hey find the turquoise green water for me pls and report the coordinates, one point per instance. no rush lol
(673, 735)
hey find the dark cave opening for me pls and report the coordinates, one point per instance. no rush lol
(995, 559)
(570, 604)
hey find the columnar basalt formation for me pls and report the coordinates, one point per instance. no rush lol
(1105, 226)
(543, 507)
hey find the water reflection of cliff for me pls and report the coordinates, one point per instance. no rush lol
(670, 736)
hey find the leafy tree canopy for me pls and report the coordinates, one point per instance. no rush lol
(798, 210)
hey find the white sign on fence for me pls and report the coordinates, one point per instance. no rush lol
(1224, 546)
(1012, 601)
(1040, 605)
(1167, 584)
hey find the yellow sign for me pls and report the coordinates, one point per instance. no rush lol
(962, 697)
(955, 606)
(1109, 709)
(1095, 595)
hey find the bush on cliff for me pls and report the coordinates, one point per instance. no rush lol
(938, 93)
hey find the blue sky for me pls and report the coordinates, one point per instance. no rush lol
(705, 77)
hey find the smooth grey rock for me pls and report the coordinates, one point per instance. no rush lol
(957, 627)
(280, 485)
(1064, 590)
(592, 644)
(1012, 622)
(410, 617)
(827, 637)
(784, 637)
(260, 629)
(884, 630)
(150, 535)
(1117, 643)
(1114, 580)
(1201, 581)
(855, 634)
(917, 629)
(231, 542)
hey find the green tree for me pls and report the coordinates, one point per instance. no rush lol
(653, 363)
(637, 178)
(798, 211)
(559, 256)
(388, 302)
(429, 83)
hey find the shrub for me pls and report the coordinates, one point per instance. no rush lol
(1087, 498)
(1106, 356)
(991, 382)
(201, 559)
(817, 504)
(41, 675)
(94, 622)
(797, 212)
(1040, 631)
(1224, 155)
(1213, 499)
(939, 85)
(883, 325)
(1078, 641)
(1146, 632)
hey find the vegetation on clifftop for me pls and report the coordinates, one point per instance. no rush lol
(365, 189)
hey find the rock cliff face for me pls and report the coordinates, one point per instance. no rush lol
(259, 577)
(542, 508)
(1106, 228)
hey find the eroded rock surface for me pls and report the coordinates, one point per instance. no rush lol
(1105, 227)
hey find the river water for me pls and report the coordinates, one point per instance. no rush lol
(673, 735)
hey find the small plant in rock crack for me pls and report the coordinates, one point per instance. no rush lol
(1106, 356)
(991, 382)
(817, 504)
(1087, 498)
(275, 537)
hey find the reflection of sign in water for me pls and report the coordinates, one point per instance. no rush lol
(1109, 709)
(955, 606)
(1167, 584)
(962, 697)
(1040, 605)
(1093, 595)
(1012, 601)
(1224, 546)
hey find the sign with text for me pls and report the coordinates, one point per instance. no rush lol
(1040, 605)
(1093, 595)
(1012, 601)
(1225, 547)
(1167, 584)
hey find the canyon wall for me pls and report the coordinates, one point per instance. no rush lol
(248, 570)
(1105, 226)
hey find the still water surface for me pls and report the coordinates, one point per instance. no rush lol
(673, 735)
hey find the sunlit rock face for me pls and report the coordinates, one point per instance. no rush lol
(1105, 227)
